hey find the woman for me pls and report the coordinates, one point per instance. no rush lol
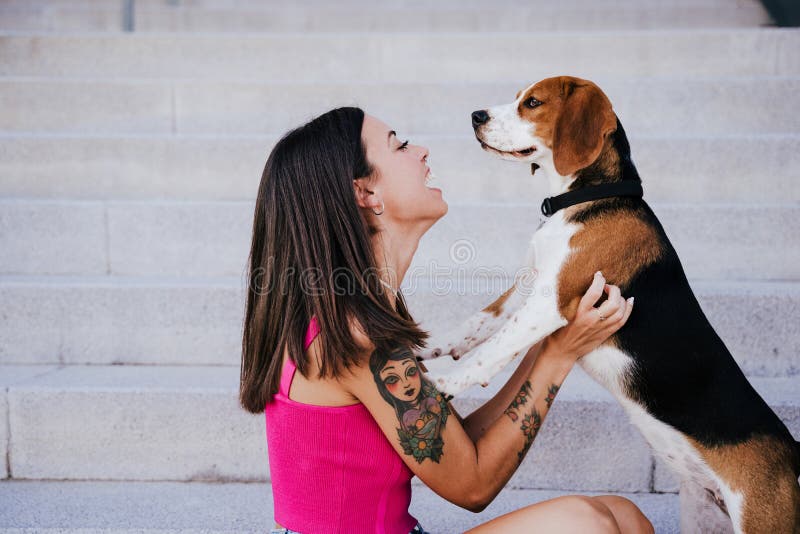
(340, 210)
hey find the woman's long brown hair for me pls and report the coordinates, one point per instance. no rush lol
(311, 255)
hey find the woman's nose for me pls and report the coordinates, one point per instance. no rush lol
(425, 152)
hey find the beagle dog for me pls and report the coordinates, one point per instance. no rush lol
(666, 366)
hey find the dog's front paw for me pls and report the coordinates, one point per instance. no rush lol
(437, 350)
(452, 378)
(429, 353)
(453, 384)
(447, 384)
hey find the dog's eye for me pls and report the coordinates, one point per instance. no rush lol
(532, 103)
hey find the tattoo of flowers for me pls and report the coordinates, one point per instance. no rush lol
(551, 395)
(421, 410)
(421, 428)
(522, 398)
(531, 424)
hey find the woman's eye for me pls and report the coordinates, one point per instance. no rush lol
(391, 380)
(403, 146)
(411, 371)
(532, 103)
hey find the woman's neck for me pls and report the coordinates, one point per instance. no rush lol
(393, 255)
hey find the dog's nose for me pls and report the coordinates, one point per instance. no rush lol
(479, 117)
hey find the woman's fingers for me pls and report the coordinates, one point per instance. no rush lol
(628, 310)
(620, 317)
(592, 294)
(616, 309)
(613, 304)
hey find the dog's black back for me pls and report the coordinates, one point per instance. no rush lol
(684, 374)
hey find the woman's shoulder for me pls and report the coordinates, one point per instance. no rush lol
(361, 339)
(313, 389)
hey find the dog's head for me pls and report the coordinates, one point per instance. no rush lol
(559, 123)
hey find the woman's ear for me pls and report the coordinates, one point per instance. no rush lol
(364, 197)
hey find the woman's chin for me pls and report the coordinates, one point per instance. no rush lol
(443, 206)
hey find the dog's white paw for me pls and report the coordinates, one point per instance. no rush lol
(448, 384)
(429, 353)
(449, 378)
(437, 350)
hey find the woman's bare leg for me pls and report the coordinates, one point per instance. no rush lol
(571, 514)
(628, 516)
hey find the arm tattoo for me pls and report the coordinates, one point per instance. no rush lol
(421, 410)
(531, 422)
(551, 395)
(521, 398)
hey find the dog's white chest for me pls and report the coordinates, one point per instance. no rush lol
(549, 248)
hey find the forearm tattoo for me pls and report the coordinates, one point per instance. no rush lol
(531, 422)
(551, 395)
(421, 410)
(520, 400)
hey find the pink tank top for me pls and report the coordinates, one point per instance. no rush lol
(332, 468)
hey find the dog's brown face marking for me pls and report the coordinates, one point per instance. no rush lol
(574, 119)
(619, 244)
(760, 470)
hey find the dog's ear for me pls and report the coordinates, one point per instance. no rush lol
(581, 128)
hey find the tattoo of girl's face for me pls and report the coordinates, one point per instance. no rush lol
(421, 410)
(402, 379)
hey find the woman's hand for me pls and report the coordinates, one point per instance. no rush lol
(586, 331)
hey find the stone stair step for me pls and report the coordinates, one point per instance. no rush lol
(171, 16)
(727, 241)
(189, 321)
(682, 168)
(406, 57)
(70, 507)
(184, 423)
(648, 107)
(448, 16)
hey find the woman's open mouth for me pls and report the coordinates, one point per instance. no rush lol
(515, 153)
(429, 177)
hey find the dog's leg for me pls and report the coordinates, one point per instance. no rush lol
(701, 512)
(476, 329)
(536, 319)
(479, 327)
(768, 504)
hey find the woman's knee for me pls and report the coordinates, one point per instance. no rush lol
(595, 515)
(629, 517)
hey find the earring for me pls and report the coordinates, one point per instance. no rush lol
(382, 208)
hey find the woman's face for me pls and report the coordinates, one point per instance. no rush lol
(401, 379)
(401, 174)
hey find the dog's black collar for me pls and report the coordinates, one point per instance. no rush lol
(550, 205)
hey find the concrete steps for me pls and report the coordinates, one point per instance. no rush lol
(399, 16)
(216, 167)
(128, 167)
(211, 239)
(183, 423)
(205, 508)
(192, 321)
(406, 58)
(139, 107)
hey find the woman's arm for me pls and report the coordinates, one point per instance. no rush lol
(476, 423)
(417, 421)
